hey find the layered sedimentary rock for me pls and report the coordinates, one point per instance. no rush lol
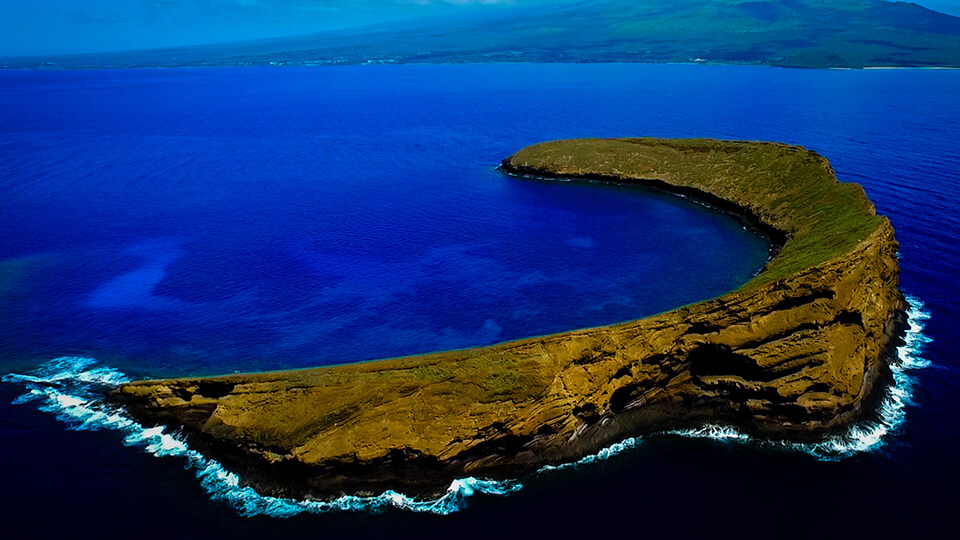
(793, 353)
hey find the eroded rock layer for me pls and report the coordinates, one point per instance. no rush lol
(791, 354)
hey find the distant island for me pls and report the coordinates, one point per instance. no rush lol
(790, 33)
(795, 353)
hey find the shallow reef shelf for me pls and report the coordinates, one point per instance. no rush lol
(795, 353)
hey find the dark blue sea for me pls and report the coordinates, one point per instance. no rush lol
(202, 221)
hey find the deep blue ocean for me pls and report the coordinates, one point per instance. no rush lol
(203, 221)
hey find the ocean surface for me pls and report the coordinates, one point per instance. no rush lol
(200, 221)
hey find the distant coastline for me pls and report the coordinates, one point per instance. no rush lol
(9, 64)
(800, 34)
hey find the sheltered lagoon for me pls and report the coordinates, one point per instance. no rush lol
(795, 352)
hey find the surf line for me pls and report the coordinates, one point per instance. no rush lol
(71, 388)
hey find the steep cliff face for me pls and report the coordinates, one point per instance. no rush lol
(791, 354)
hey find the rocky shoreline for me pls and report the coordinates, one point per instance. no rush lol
(795, 353)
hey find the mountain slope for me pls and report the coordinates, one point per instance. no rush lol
(797, 33)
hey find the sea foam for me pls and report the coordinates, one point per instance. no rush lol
(71, 388)
(865, 435)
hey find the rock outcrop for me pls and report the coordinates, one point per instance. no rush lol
(793, 353)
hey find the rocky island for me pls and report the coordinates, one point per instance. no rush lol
(794, 353)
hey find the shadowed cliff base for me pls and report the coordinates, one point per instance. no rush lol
(794, 353)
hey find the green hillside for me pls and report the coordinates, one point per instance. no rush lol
(795, 33)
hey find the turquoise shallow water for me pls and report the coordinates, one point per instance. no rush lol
(186, 221)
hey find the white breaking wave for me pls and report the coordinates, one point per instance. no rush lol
(865, 435)
(602, 455)
(71, 388)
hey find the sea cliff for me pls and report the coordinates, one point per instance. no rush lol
(793, 353)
